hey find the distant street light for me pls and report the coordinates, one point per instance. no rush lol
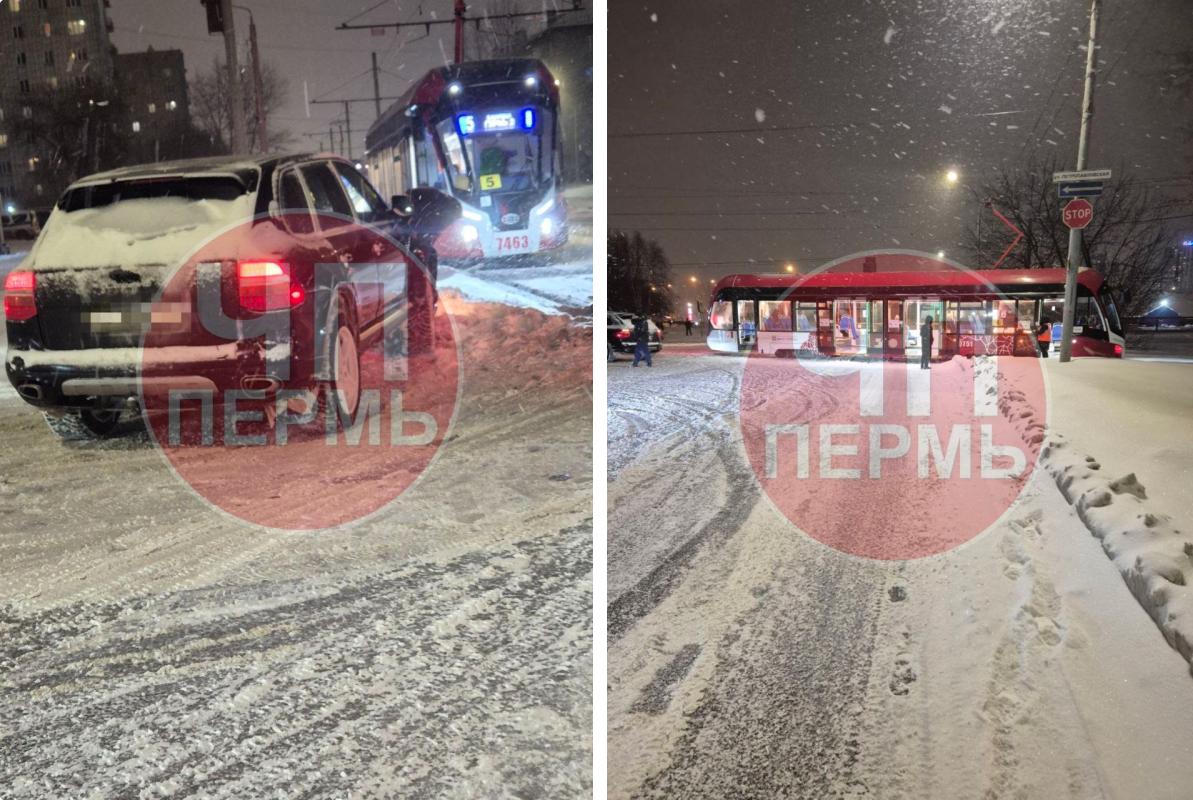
(692, 279)
(951, 176)
(790, 268)
(940, 254)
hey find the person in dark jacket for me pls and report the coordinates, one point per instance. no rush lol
(641, 340)
(926, 343)
(687, 327)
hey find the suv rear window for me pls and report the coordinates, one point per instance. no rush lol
(105, 194)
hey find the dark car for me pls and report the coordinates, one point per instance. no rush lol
(620, 328)
(295, 240)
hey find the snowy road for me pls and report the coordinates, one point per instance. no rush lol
(747, 660)
(150, 646)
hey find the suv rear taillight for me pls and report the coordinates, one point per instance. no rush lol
(623, 334)
(19, 301)
(266, 286)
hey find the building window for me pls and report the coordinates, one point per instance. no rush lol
(153, 108)
(33, 163)
(24, 86)
(48, 30)
(136, 127)
(14, 5)
(43, 4)
(171, 104)
(5, 166)
(52, 82)
(49, 58)
(74, 3)
(27, 112)
(78, 55)
(21, 59)
(18, 32)
(3, 143)
(75, 27)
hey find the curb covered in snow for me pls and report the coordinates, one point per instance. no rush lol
(1154, 556)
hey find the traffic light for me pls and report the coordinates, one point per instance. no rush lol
(215, 16)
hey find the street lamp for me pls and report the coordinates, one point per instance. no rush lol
(952, 176)
(790, 267)
(692, 279)
(940, 254)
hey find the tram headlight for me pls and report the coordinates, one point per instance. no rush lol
(532, 81)
(547, 226)
(454, 88)
(469, 233)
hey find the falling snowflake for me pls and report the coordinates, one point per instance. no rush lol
(946, 109)
(654, 17)
(759, 115)
(890, 34)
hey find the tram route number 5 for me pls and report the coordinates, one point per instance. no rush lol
(1078, 213)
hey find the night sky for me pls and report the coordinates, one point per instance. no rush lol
(299, 38)
(878, 98)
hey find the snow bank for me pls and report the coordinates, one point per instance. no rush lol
(146, 231)
(1153, 555)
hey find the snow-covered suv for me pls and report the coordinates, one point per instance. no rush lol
(297, 238)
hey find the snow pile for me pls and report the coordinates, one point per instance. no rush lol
(146, 231)
(1152, 554)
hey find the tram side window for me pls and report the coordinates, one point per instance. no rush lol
(1111, 313)
(1086, 314)
(973, 318)
(1005, 318)
(774, 315)
(805, 317)
(430, 173)
(720, 315)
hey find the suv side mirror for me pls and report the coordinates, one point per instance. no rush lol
(401, 205)
(430, 210)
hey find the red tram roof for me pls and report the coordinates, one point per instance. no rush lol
(954, 279)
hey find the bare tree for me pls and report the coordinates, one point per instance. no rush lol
(73, 131)
(1128, 241)
(211, 104)
(638, 273)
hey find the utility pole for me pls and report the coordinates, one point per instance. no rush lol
(460, 9)
(1075, 235)
(235, 90)
(258, 87)
(376, 88)
(348, 125)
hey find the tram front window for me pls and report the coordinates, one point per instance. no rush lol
(500, 161)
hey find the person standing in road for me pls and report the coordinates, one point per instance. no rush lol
(687, 327)
(1044, 338)
(641, 340)
(926, 343)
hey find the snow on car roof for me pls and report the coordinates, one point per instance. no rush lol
(213, 165)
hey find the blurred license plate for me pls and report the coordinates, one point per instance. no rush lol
(138, 315)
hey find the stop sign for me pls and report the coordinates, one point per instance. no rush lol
(1078, 213)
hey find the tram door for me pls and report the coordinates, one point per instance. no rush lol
(825, 328)
(892, 339)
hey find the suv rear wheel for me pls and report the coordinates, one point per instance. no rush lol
(85, 424)
(343, 394)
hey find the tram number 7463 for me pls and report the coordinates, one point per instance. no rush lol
(513, 244)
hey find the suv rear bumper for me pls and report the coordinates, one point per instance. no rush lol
(87, 378)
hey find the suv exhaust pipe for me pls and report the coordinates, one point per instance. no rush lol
(30, 391)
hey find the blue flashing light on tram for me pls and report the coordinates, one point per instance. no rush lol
(527, 119)
(466, 123)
